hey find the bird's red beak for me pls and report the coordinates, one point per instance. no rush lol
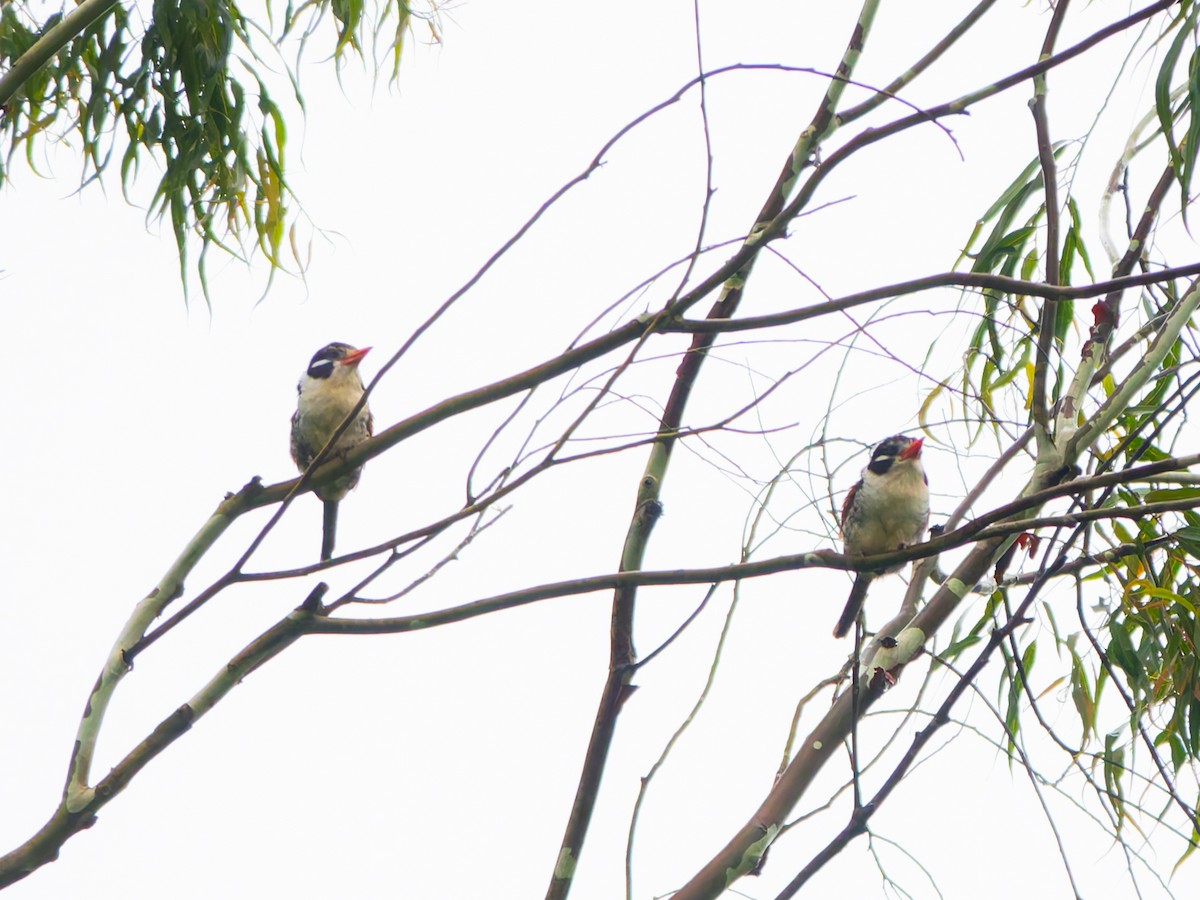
(913, 450)
(353, 359)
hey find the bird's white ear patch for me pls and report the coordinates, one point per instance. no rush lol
(320, 368)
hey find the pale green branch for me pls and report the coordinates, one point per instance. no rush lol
(56, 37)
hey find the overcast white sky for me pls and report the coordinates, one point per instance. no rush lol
(442, 764)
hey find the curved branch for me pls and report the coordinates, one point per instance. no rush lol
(71, 818)
(982, 280)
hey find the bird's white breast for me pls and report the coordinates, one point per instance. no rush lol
(895, 510)
(324, 405)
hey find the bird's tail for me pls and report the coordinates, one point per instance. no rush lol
(854, 604)
(329, 529)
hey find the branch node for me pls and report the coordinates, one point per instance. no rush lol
(312, 603)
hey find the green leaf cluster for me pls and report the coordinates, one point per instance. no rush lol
(1005, 242)
(1179, 108)
(189, 88)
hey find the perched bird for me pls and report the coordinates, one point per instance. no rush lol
(329, 390)
(887, 510)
